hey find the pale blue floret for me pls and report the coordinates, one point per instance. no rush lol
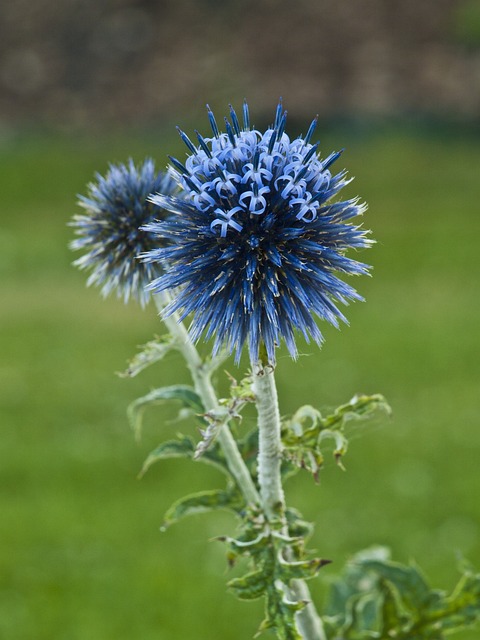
(256, 243)
(109, 231)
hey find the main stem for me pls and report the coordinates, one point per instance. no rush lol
(269, 477)
(203, 386)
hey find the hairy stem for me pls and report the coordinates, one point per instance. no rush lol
(269, 443)
(269, 477)
(203, 386)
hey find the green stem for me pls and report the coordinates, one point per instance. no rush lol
(270, 481)
(203, 386)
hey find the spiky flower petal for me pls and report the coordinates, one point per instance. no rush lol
(257, 241)
(109, 231)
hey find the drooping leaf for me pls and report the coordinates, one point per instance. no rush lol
(151, 352)
(184, 447)
(204, 501)
(180, 392)
(181, 448)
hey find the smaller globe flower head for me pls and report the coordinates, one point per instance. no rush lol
(258, 240)
(110, 234)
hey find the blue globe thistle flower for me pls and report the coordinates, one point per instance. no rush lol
(109, 231)
(257, 241)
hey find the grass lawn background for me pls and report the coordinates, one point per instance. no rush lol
(81, 555)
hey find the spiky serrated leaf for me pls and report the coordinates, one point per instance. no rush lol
(216, 420)
(151, 352)
(228, 409)
(180, 392)
(302, 569)
(204, 501)
(249, 587)
(248, 546)
(281, 612)
(297, 526)
(279, 561)
(360, 405)
(303, 435)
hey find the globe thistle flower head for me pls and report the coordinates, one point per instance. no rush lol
(110, 234)
(258, 240)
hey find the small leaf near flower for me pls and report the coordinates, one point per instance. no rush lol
(183, 393)
(152, 352)
(229, 409)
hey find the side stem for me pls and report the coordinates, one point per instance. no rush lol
(269, 477)
(204, 388)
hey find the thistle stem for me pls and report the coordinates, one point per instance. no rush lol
(269, 442)
(203, 386)
(272, 495)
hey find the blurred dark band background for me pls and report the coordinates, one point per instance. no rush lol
(84, 63)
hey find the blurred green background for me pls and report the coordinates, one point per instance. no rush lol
(81, 555)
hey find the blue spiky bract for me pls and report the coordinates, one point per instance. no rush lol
(258, 240)
(109, 232)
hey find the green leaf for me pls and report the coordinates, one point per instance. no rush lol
(204, 501)
(228, 409)
(249, 587)
(392, 611)
(303, 435)
(281, 612)
(277, 559)
(302, 569)
(182, 448)
(297, 526)
(247, 545)
(462, 608)
(360, 405)
(303, 416)
(408, 580)
(185, 447)
(150, 353)
(216, 420)
(378, 598)
(182, 393)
